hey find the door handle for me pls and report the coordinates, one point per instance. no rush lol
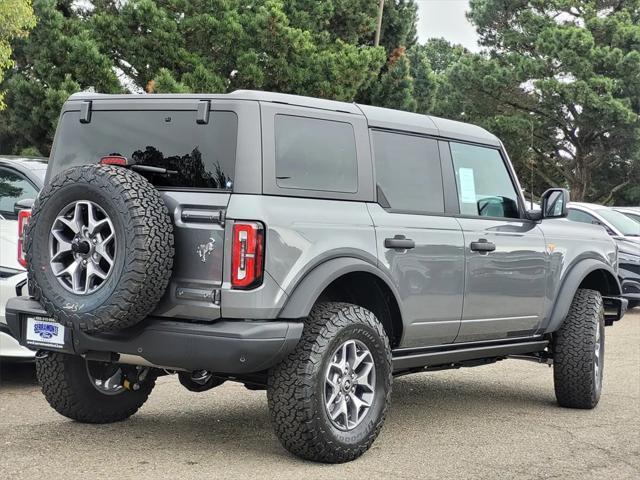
(483, 245)
(399, 242)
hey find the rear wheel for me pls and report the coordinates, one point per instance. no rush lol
(578, 352)
(328, 399)
(93, 392)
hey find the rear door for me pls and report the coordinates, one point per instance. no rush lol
(197, 140)
(421, 248)
(506, 266)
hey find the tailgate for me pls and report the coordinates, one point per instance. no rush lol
(194, 290)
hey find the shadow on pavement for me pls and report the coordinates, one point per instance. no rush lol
(17, 374)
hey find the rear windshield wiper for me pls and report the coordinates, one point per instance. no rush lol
(151, 169)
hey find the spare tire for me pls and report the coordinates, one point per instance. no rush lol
(99, 248)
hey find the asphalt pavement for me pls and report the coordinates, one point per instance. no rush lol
(492, 422)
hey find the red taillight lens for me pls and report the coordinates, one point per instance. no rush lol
(23, 220)
(114, 160)
(247, 256)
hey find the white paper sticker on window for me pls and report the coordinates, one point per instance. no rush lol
(467, 185)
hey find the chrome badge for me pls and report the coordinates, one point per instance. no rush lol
(205, 249)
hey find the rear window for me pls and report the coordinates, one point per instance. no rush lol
(315, 154)
(202, 155)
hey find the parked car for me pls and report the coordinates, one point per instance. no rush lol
(20, 181)
(308, 247)
(626, 233)
(631, 212)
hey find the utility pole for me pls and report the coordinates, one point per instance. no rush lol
(380, 9)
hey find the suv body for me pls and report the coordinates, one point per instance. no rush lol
(419, 220)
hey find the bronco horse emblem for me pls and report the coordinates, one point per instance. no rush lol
(205, 249)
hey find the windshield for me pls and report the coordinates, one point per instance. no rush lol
(633, 215)
(627, 226)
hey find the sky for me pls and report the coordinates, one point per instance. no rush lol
(446, 18)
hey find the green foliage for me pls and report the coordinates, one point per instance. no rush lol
(558, 80)
(224, 45)
(59, 58)
(570, 68)
(395, 89)
(16, 19)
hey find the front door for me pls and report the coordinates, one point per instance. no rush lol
(505, 279)
(420, 247)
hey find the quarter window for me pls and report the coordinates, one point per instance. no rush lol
(485, 188)
(408, 172)
(315, 154)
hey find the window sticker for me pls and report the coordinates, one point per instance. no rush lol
(467, 185)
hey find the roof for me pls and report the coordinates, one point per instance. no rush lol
(588, 206)
(30, 163)
(376, 116)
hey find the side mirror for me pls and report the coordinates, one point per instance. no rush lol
(555, 203)
(24, 204)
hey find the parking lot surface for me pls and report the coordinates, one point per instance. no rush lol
(493, 422)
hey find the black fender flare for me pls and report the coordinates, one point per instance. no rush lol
(309, 288)
(570, 286)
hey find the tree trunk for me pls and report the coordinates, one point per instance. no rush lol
(580, 181)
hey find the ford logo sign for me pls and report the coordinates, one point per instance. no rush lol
(45, 330)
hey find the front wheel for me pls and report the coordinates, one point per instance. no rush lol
(93, 392)
(328, 399)
(578, 352)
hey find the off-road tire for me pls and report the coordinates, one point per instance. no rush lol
(66, 386)
(575, 381)
(144, 248)
(633, 304)
(295, 386)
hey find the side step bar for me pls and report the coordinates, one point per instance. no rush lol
(460, 353)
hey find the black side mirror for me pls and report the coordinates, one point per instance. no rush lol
(24, 204)
(554, 203)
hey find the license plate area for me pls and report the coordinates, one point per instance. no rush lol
(44, 332)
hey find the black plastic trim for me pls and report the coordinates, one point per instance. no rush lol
(224, 346)
(452, 354)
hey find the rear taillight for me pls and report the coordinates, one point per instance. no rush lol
(114, 160)
(23, 220)
(247, 257)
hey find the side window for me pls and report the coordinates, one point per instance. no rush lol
(408, 172)
(582, 217)
(485, 188)
(315, 154)
(13, 188)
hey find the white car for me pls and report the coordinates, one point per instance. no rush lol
(631, 212)
(20, 181)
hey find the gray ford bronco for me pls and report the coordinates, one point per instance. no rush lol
(312, 248)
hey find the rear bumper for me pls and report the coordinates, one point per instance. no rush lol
(225, 346)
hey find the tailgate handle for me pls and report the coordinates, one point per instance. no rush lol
(203, 216)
